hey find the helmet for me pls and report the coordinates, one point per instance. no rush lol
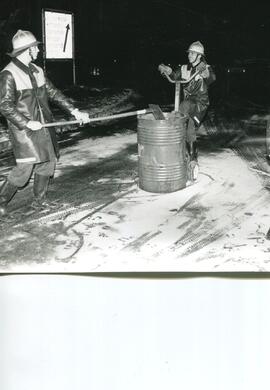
(21, 41)
(197, 47)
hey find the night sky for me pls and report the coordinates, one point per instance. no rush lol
(145, 32)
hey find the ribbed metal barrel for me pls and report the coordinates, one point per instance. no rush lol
(162, 153)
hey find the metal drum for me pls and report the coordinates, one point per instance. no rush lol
(162, 153)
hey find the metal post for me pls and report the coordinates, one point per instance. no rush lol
(73, 49)
(44, 40)
(74, 72)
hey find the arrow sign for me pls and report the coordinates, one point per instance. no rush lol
(66, 37)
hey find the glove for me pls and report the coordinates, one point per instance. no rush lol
(81, 116)
(34, 125)
(201, 67)
(164, 69)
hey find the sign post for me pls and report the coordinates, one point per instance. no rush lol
(58, 37)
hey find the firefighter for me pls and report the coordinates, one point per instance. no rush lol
(196, 99)
(24, 95)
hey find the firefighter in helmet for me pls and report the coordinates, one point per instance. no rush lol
(196, 99)
(25, 93)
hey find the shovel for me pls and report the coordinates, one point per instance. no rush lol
(101, 118)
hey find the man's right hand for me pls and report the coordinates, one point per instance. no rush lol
(164, 69)
(34, 125)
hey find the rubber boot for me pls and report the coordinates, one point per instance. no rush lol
(6, 193)
(40, 190)
(192, 151)
(193, 168)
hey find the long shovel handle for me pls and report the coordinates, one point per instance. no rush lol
(101, 118)
(63, 123)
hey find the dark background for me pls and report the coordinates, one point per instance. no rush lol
(126, 40)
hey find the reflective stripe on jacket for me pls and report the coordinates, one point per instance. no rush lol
(20, 102)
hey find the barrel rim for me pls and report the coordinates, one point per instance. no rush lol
(149, 117)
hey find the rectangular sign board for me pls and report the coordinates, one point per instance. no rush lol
(58, 34)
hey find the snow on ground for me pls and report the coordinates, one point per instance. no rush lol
(93, 150)
(217, 224)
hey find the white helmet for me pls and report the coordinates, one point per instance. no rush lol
(21, 41)
(197, 47)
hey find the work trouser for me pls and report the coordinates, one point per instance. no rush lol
(189, 107)
(22, 172)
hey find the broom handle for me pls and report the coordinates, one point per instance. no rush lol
(101, 118)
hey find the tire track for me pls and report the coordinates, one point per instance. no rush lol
(136, 245)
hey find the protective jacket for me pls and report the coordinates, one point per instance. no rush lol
(24, 96)
(196, 91)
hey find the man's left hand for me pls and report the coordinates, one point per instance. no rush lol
(203, 70)
(201, 67)
(81, 116)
